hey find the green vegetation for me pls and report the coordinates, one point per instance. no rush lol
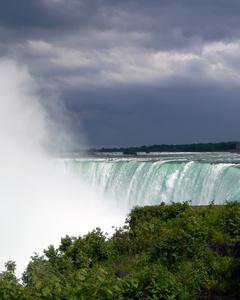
(162, 252)
(209, 147)
(130, 151)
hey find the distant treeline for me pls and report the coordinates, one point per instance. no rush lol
(223, 146)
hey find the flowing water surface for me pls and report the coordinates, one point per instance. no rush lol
(169, 177)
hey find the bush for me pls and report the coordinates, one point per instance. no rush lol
(165, 250)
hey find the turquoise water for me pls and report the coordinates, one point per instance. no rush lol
(168, 177)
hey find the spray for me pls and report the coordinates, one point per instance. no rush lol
(39, 203)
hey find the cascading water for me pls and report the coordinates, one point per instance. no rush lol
(200, 178)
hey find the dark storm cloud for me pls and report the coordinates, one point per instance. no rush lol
(44, 14)
(174, 22)
(131, 72)
(179, 23)
(164, 25)
(21, 20)
(153, 115)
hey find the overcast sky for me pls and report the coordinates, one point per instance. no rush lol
(131, 72)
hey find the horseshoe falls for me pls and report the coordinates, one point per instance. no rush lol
(165, 177)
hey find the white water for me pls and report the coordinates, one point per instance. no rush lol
(39, 204)
(197, 177)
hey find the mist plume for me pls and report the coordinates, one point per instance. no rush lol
(40, 201)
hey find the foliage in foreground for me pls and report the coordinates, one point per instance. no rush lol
(163, 252)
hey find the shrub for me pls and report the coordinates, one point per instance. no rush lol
(165, 250)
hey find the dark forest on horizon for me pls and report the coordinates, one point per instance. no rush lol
(195, 147)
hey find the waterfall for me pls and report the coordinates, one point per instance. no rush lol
(152, 181)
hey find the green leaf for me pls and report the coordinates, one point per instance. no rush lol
(101, 277)
(45, 291)
(134, 283)
(38, 285)
(81, 277)
(105, 293)
(118, 287)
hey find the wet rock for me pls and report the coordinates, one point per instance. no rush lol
(236, 273)
(211, 295)
(236, 249)
(220, 247)
(236, 276)
(121, 274)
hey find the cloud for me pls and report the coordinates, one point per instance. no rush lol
(223, 60)
(78, 50)
(168, 24)
(150, 114)
(84, 42)
(80, 67)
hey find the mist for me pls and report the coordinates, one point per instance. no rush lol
(40, 202)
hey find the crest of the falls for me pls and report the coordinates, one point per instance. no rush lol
(200, 178)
